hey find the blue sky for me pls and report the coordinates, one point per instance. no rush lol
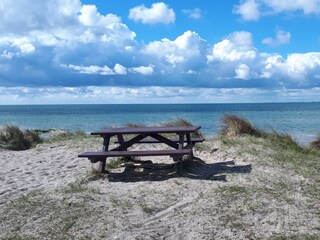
(103, 51)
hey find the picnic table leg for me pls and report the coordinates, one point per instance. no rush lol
(189, 143)
(180, 146)
(105, 147)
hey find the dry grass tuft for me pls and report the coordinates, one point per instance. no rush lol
(180, 122)
(67, 135)
(134, 125)
(237, 126)
(316, 143)
(13, 138)
(284, 141)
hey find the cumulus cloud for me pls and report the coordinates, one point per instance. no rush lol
(77, 46)
(248, 9)
(187, 52)
(144, 70)
(254, 9)
(195, 13)
(157, 13)
(281, 38)
(118, 69)
(242, 71)
(237, 46)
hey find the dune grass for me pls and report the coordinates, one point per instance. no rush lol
(236, 126)
(280, 148)
(316, 143)
(68, 135)
(181, 122)
(13, 138)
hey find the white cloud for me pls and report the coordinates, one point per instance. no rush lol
(248, 9)
(119, 69)
(58, 23)
(189, 49)
(300, 65)
(75, 45)
(27, 48)
(307, 6)
(282, 37)
(195, 13)
(105, 70)
(158, 13)
(54, 95)
(89, 16)
(254, 9)
(243, 71)
(237, 46)
(144, 70)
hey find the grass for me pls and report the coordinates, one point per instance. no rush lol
(115, 163)
(316, 143)
(13, 138)
(280, 148)
(68, 135)
(181, 122)
(53, 216)
(237, 126)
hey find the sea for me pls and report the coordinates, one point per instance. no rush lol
(301, 120)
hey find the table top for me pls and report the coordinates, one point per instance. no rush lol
(149, 130)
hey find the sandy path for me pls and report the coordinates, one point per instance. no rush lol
(268, 202)
(44, 168)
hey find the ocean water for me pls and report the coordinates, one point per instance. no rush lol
(301, 120)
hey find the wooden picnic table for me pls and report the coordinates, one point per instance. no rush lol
(181, 145)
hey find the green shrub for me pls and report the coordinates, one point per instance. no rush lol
(13, 138)
(237, 126)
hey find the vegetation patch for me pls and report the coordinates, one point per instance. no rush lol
(115, 163)
(13, 138)
(49, 215)
(316, 143)
(237, 126)
(68, 135)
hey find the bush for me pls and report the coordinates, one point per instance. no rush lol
(316, 143)
(237, 126)
(13, 138)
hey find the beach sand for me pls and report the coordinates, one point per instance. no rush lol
(49, 193)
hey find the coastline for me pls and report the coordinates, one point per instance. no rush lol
(297, 119)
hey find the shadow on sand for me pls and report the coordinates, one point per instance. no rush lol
(195, 169)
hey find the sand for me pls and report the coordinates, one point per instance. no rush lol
(49, 193)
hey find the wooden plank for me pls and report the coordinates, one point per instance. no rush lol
(193, 140)
(146, 130)
(129, 143)
(102, 155)
(162, 139)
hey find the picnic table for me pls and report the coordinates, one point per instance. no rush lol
(182, 144)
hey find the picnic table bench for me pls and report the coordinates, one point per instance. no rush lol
(126, 137)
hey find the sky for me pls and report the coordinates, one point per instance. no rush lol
(129, 51)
